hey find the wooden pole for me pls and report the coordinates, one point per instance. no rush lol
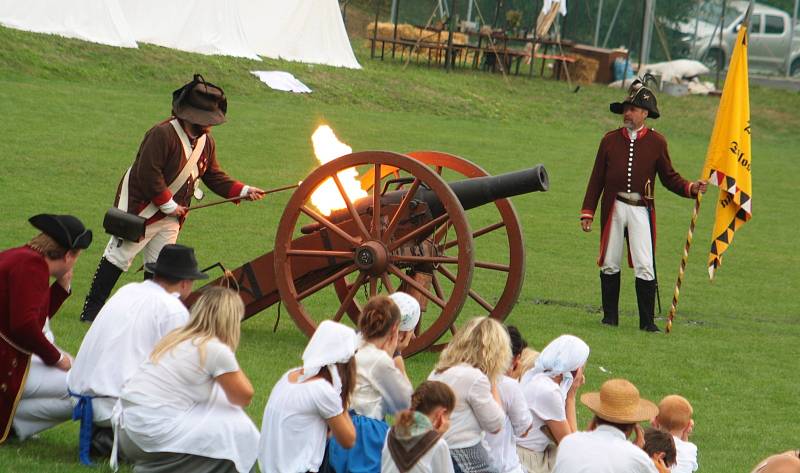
(684, 260)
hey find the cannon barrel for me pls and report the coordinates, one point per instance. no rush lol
(471, 193)
(480, 191)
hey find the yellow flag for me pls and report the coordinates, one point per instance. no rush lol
(728, 159)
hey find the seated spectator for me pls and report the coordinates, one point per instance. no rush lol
(471, 365)
(33, 381)
(415, 443)
(182, 409)
(675, 417)
(307, 401)
(786, 462)
(527, 360)
(605, 448)
(550, 389)
(660, 447)
(123, 336)
(503, 446)
(382, 387)
(409, 314)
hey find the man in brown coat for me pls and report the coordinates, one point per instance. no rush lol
(174, 156)
(624, 171)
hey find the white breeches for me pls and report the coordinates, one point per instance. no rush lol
(45, 401)
(156, 235)
(636, 220)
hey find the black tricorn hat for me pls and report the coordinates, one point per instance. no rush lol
(66, 230)
(177, 262)
(200, 102)
(638, 96)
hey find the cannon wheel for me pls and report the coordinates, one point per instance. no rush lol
(361, 236)
(513, 271)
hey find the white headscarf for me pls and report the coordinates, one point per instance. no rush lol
(563, 355)
(331, 343)
(409, 310)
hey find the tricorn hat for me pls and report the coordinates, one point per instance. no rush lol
(177, 262)
(66, 230)
(618, 401)
(200, 102)
(639, 96)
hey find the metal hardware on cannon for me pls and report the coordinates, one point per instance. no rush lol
(411, 235)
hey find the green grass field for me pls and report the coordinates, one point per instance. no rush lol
(74, 114)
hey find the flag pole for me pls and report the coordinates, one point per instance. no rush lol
(684, 259)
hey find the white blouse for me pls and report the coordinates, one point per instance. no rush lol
(381, 388)
(503, 445)
(294, 427)
(476, 410)
(546, 402)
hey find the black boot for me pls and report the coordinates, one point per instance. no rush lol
(609, 288)
(103, 283)
(646, 298)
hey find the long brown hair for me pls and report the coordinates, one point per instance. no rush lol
(377, 317)
(46, 246)
(347, 373)
(427, 397)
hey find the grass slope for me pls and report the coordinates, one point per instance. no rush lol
(74, 114)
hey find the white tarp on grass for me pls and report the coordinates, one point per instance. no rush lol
(98, 21)
(309, 31)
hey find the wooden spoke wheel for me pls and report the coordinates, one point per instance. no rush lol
(376, 242)
(507, 266)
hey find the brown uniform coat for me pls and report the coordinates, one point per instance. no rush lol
(612, 174)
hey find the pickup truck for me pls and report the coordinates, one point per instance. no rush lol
(770, 29)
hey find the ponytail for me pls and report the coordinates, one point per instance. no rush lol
(427, 397)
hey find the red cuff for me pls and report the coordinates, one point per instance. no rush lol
(236, 189)
(688, 189)
(162, 198)
(585, 213)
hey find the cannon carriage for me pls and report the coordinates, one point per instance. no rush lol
(406, 228)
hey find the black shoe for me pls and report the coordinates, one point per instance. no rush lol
(609, 290)
(105, 278)
(646, 299)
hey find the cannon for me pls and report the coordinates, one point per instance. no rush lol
(409, 233)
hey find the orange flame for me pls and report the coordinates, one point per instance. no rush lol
(326, 197)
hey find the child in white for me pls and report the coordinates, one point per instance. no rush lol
(675, 416)
(183, 407)
(503, 446)
(415, 443)
(309, 400)
(550, 389)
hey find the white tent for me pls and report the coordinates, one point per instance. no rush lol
(198, 26)
(298, 30)
(98, 21)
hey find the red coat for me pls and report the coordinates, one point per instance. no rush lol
(26, 302)
(611, 174)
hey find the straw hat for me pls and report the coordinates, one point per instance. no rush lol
(618, 401)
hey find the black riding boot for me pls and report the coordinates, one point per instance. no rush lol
(103, 283)
(609, 288)
(646, 298)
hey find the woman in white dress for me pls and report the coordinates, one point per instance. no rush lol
(472, 365)
(550, 389)
(307, 402)
(182, 411)
(382, 386)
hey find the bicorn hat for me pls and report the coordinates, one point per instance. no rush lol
(200, 102)
(66, 230)
(177, 262)
(618, 401)
(639, 96)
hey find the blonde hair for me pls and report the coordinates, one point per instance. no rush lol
(216, 314)
(46, 246)
(674, 412)
(483, 343)
(527, 360)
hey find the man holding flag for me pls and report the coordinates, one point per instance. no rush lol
(728, 163)
(624, 171)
